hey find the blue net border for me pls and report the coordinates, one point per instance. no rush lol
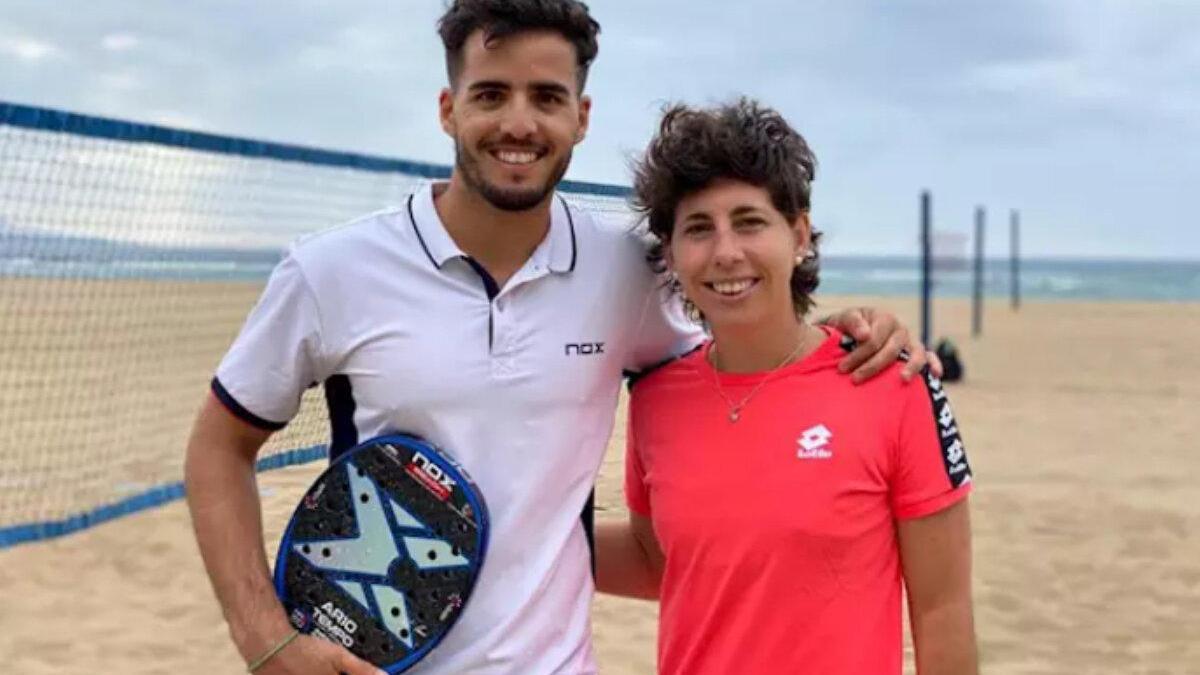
(156, 496)
(59, 121)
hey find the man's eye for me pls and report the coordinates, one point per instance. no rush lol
(549, 98)
(488, 96)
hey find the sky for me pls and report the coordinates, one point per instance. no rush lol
(1082, 115)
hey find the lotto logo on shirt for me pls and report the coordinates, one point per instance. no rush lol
(814, 443)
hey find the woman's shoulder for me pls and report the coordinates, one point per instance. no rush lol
(682, 369)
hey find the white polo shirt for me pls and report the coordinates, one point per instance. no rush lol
(518, 383)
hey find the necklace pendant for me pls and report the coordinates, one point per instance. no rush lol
(734, 415)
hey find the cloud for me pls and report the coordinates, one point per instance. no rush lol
(1076, 111)
(120, 42)
(28, 49)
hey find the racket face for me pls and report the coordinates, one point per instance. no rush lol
(383, 551)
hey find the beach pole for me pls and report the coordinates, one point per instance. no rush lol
(977, 296)
(1015, 257)
(926, 267)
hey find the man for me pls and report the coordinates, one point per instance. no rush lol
(461, 317)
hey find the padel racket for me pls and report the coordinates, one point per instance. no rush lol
(383, 551)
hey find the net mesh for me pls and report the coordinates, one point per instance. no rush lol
(126, 269)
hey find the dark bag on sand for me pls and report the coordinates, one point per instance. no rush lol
(952, 366)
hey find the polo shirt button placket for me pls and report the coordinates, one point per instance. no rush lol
(501, 348)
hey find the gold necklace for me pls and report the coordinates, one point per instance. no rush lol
(735, 409)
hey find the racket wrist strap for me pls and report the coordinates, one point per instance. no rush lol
(270, 654)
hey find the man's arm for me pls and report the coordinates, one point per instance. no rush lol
(222, 495)
(629, 561)
(880, 337)
(936, 554)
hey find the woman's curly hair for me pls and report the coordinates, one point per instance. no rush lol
(742, 141)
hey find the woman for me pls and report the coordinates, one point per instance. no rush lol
(776, 508)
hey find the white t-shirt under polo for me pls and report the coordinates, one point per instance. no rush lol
(518, 383)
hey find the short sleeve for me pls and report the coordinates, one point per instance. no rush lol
(930, 469)
(663, 331)
(276, 355)
(636, 495)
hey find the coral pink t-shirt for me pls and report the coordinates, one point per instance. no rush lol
(779, 530)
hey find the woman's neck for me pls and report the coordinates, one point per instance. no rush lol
(759, 348)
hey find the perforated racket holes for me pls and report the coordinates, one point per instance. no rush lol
(364, 498)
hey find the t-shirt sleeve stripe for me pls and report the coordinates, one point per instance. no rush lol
(954, 454)
(240, 411)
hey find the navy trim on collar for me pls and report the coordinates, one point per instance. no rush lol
(413, 219)
(571, 225)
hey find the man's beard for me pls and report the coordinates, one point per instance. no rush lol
(507, 199)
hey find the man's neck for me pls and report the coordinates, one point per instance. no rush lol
(499, 240)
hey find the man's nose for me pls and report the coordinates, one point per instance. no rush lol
(519, 120)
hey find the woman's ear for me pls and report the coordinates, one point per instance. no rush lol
(802, 230)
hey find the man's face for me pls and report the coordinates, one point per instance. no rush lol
(515, 114)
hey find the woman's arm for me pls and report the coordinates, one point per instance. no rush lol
(936, 554)
(629, 561)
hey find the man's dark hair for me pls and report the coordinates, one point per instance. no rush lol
(742, 141)
(501, 18)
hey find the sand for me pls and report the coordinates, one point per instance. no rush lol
(1080, 421)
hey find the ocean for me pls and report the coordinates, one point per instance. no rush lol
(24, 254)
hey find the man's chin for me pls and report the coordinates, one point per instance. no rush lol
(514, 199)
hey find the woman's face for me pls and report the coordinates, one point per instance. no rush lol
(734, 254)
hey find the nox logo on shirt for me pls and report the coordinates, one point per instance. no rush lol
(814, 443)
(584, 348)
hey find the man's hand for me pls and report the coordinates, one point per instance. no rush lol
(309, 655)
(880, 337)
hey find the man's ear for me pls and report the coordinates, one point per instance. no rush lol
(446, 111)
(585, 116)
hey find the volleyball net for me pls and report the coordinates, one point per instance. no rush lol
(130, 255)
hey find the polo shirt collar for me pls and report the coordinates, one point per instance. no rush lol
(558, 250)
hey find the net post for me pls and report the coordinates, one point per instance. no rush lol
(1015, 257)
(977, 295)
(926, 266)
